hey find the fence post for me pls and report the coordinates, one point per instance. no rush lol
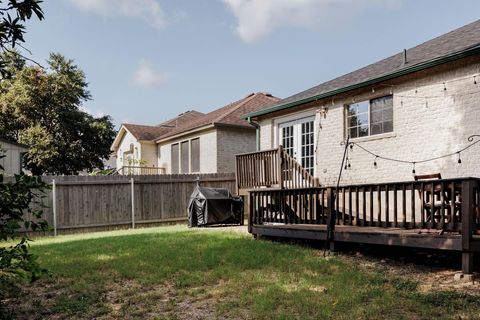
(133, 201)
(54, 206)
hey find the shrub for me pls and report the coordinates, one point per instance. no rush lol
(21, 210)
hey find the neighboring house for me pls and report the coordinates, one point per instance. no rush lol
(13, 152)
(135, 146)
(420, 103)
(209, 144)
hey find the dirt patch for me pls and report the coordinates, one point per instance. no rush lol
(431, 271)
(129, 299)
(123, 299)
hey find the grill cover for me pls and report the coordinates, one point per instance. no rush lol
(208, 206)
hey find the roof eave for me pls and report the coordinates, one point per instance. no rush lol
(414, 68)
(184, 133)
(233, 126)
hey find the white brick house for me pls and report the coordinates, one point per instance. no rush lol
(418, 104)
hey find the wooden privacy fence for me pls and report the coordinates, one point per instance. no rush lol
(79, 203)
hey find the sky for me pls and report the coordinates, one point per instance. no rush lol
(147, 61)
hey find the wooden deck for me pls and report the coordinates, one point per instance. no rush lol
(436, 214)
(415, 238)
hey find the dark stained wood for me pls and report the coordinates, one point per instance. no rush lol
(271, 168)
(309, 212)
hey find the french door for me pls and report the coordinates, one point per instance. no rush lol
(297, 139)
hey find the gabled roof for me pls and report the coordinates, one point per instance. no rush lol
(229, 115)
(451, 46)
(149, 133)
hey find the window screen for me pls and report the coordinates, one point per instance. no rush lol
(370, 117)
(175, 162)
(184, 149)
(195, 145)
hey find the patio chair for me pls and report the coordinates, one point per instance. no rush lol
(433, 201)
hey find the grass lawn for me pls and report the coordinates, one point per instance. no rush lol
(175, 273)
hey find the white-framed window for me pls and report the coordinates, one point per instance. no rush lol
(371, 117)
(175, 158)
(186, 156)
(195, 155)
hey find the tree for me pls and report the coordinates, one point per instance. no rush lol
(14, 14)
(42, 109)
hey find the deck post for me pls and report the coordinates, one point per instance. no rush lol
(467, 215)
(250, 213)
(280, 166)
(330, 219)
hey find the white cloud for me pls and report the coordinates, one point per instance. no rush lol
(148, 10)
(146, 77)
(258, 18)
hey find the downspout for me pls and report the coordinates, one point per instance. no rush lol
(257, 131)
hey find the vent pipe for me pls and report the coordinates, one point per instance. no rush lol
(405, 56)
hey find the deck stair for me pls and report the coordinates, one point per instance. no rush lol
(273, 168)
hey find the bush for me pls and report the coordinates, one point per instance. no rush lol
(20, 208)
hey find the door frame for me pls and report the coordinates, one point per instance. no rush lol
(296, 123)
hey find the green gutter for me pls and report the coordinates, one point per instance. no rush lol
(389, 76)
(257, 132)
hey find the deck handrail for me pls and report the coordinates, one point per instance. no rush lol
(271, 168)
(141, 170)
(445, 204)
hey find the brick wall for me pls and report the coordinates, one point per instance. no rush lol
(428, 121)
(231, 142)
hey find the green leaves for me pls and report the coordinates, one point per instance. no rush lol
(42, 109)
(21, 206)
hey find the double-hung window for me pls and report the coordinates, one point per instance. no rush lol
(370, 117)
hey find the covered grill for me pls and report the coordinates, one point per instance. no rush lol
(209, 206)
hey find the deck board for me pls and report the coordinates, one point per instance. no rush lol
(369, 235)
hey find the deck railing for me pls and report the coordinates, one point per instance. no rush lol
(140, 170)
(451, 205)
(271, 168)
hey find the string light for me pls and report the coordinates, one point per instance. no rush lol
(414, 163)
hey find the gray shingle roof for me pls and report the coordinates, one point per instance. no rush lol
(458, 40)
